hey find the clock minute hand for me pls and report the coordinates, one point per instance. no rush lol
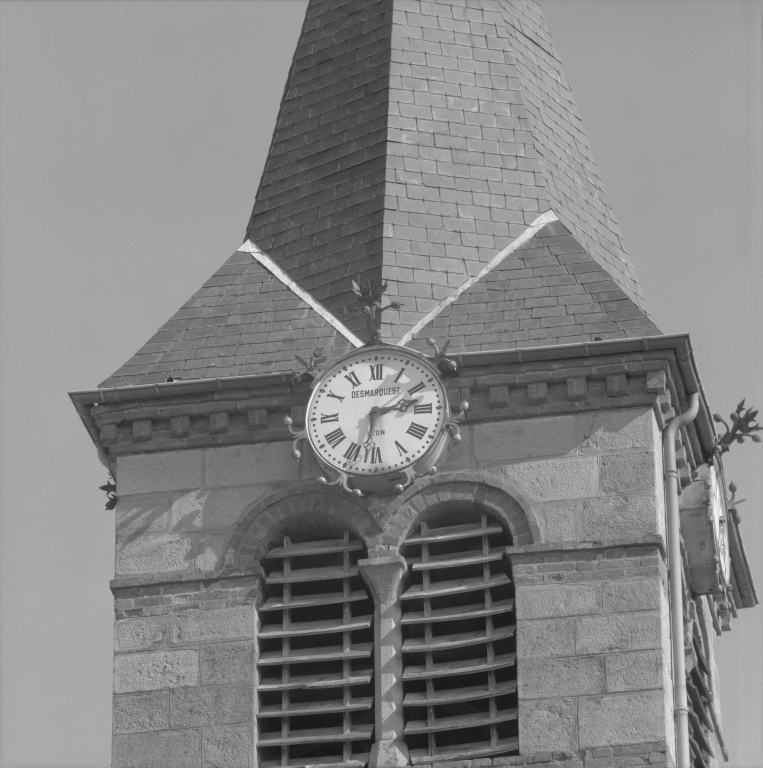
(401, 405)
(372, 416)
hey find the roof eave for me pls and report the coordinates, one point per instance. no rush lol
(679, 343)
(745, 596)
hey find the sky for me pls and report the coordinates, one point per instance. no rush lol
(132, 139)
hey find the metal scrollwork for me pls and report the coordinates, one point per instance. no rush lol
(299, 435)
(440, 359)
(342, 480)
(312, 366)
(452, 424)
(410, 475)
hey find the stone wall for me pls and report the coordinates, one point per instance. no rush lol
(581, 494)
(593, 648)
(184, 691)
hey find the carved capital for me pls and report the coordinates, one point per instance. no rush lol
(384, 577)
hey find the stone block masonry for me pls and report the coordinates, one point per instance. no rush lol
(192, 523)
(187, 702)
(592, 646)
(177, 509)
(416, 139)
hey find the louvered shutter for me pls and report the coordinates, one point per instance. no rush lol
(459, 650)
(700, 702)
(316, 657)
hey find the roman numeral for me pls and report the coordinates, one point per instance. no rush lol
(423, 408)
(351, 454)
(416, 430)
(416, 389)
(400, 449)
(352, 377)
(397, 378)
(335, 437)
(338, 397)
(376, 372)
(373, 456)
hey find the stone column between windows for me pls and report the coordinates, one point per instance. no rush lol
(384, 578)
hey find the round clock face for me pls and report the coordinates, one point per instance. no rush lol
(376, 412)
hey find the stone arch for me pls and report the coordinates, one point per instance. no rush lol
(311, 510)
(501, 500)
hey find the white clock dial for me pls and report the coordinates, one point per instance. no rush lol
(377, 411)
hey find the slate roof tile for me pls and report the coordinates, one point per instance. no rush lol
(415, 139)
(224, 341)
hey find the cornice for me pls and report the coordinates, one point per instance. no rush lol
(505, 385)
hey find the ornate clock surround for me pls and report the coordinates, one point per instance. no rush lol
(379, 417)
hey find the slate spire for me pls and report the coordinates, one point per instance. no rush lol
(415, 140)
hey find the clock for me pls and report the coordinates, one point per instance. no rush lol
(704, 524)
(377, 414)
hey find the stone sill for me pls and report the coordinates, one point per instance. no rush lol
(226, 574)
(170, 578)
(572, 546)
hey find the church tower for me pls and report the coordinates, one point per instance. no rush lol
(413, 479)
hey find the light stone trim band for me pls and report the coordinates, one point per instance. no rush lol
(539, 223)
(262, 258)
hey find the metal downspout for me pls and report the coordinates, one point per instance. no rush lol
(683, 753)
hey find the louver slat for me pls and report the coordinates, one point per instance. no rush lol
(460, 703)
(311, 574)
(475, 584)
(447, 561)
(458, 721)
(459, 667)
(332, 761)
(319, 705)
(317, 654)
(453, 532)
(478, 749)
(311, 601)
(318, 735)
(314, 707)
(454, 695)
(316, 628)
(316, 548)
(456, 614)
(312, 682)
(456, 641)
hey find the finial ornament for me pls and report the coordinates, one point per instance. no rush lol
(743, 425)
(368, 297)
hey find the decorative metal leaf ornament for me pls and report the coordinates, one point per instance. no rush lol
(111, 492)
(369, 294)
(743, 425)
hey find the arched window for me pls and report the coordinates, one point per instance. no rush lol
(459, 646)
(315, 656)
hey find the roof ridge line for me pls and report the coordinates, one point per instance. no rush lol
(529, 233)
(265, 261)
